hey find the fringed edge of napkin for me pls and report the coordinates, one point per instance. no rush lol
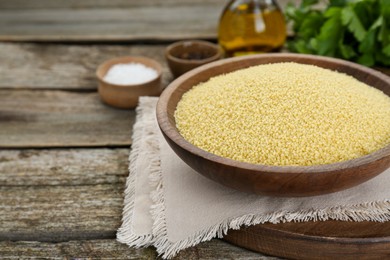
(125, 233)
(379, 212)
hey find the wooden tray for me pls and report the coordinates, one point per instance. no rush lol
(316, 240)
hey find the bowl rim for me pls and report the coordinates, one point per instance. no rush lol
(214, 46)
(173, 134)
(128, 59)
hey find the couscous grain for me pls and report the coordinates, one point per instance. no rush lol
(285, 114)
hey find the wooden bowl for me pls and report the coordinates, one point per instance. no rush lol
(126, 96)
(262, 179)
(184, 56)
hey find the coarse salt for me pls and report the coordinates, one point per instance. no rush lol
(130, 74)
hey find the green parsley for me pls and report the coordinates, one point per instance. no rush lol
(356, 30)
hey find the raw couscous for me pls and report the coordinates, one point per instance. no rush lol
(285, 114)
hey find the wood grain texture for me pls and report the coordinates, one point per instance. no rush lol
(110, 249)
(63, 167)
(317, 240)
(217, 249)
(61, 194)
(60, 213)
(61, 119)
(53, 66)
(332, 228)
(104, 20)
(150, 23)
(82, 249)
(264, 179)
(76, 4)
(56, 195)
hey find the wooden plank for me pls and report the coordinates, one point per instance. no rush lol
(76, 4)
(46, 4)
(217, 249)
(61, 119)
(51, 195)
(60, 213)
(53, 66)
(152, 23)
(73, 210)
(105, 20)
(63, 167)
(85, 249)
(110, 249)
(59, 66)
(59, 195)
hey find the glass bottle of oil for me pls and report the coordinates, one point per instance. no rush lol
(251, 26)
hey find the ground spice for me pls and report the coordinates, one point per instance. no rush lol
(130, 74)
(285, 114)
(195, 55)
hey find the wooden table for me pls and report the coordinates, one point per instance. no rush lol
(64, 154)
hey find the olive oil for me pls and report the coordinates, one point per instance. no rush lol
(248, 27)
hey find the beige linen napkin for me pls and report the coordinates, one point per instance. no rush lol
(170, 206)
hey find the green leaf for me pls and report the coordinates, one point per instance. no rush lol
(378, 23)
(302, 47)
(296, 15)
(352, 21)
(358, 30)
(384, 6)
(310, 27)
(313, 43)
(383, 59)
(332, 11)
(306, 3)
(366, 59)
(367, 11)
(291, 12)
(329, 37)
(386, 50)
(368, 43)
(384, 32)
(337, 2)
(347, 52)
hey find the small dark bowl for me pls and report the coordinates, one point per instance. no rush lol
(262, 179)
(184, 56)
